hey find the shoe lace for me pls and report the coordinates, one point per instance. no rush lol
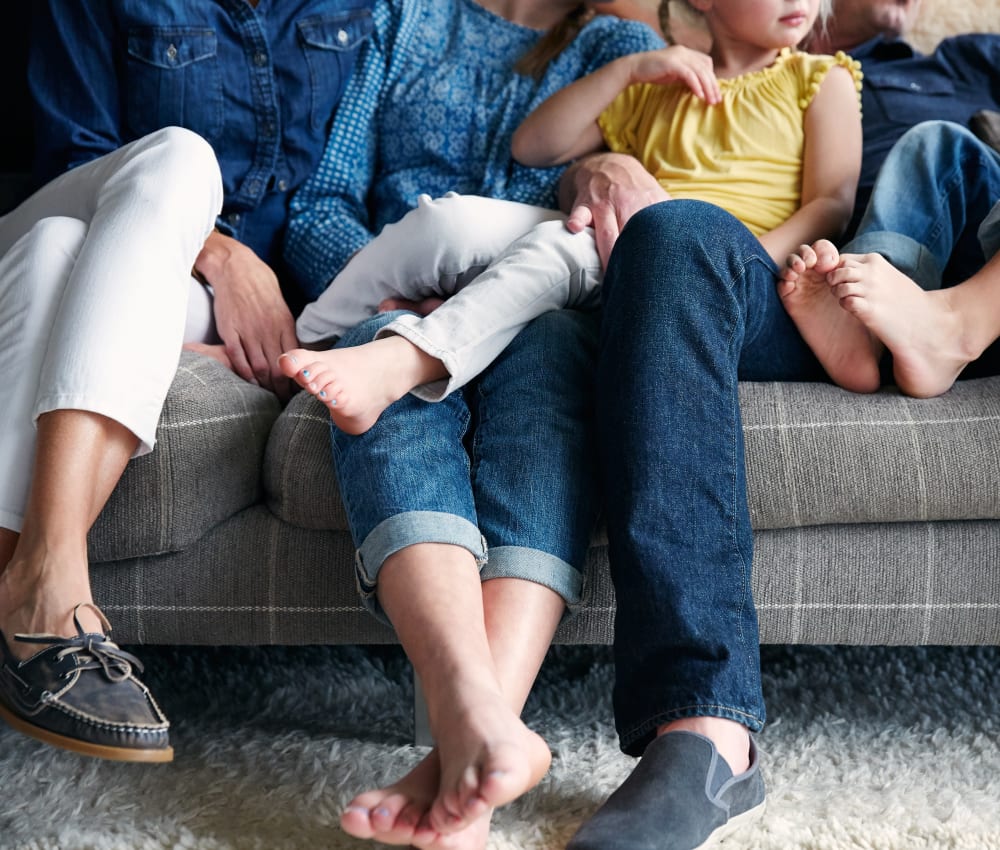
(92, 651)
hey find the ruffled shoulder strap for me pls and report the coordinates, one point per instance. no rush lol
(819, 66)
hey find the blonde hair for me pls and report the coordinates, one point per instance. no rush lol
(555, 41)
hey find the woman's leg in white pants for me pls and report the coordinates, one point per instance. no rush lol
(434, 250)
(106, 358)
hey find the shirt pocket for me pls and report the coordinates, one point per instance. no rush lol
(174, 80)
(898, 96)
(330, 44)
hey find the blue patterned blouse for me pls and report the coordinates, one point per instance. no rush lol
(431, 107)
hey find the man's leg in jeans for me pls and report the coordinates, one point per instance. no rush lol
(689, 307)
(935, 188)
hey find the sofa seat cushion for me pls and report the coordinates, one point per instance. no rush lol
(205, 467)
(816, 455)
(299, 481)
(819, 455)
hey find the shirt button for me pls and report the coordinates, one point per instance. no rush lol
(172, 53)
(260, 59)
(233, 218)
(342, 36)
(282, 185)
(253, 187)
(914, 86)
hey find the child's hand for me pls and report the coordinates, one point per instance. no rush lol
(676, 64)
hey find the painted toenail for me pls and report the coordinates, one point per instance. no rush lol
(333, 402)
(305, 372)
(322, 393)
(381, 812)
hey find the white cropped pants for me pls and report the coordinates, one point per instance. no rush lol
(504, 262)
(95, 275)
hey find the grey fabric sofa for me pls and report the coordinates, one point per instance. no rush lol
(877, 520)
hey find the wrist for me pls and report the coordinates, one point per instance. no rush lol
(214, 256)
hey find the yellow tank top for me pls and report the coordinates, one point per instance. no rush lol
(743, 154)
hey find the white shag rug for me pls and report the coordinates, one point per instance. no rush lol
(886, 748)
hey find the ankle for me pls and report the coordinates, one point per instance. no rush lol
(415, 366)
(731, 739)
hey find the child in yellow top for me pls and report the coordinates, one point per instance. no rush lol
(771, 134)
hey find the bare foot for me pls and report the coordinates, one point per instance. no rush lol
(398, 813)
(488, 758)
(358, 383)
(216, 352)
(842, 344)
(923, 332)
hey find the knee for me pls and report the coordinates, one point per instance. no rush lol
(931, 138)
(53, 241)
(40, 261)
(452, 218)
(57, 233)
(662, 246)
(177, 159)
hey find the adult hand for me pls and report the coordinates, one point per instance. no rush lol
(604, 191)
(251, 316)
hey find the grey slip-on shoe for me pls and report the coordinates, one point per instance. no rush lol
(681, 796)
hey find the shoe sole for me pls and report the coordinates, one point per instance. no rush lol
(734, 824)
(101, 751)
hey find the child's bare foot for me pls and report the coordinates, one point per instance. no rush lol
(840, 342)
(358, 383)
(488, 758)
(923, 332)
(216, 352)
(398, 813)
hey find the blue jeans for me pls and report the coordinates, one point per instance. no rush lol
(689, 308)
(936, 188)
(506, 468)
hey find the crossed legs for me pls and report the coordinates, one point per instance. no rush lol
(933, 208)
(43, 571)
(477, 649)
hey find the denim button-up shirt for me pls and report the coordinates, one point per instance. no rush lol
(260, 84)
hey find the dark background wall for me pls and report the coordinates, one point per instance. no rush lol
(15, 138)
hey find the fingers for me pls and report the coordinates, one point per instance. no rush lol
(580, 218)
(255, 359)
(702, 82)
(607, 229)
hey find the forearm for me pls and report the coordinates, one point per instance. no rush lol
(820, 218)
(565, 126)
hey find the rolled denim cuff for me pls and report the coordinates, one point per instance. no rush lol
(989, 232)
(407, 529)
(634, 740)
(905, 254)
(537, 566)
